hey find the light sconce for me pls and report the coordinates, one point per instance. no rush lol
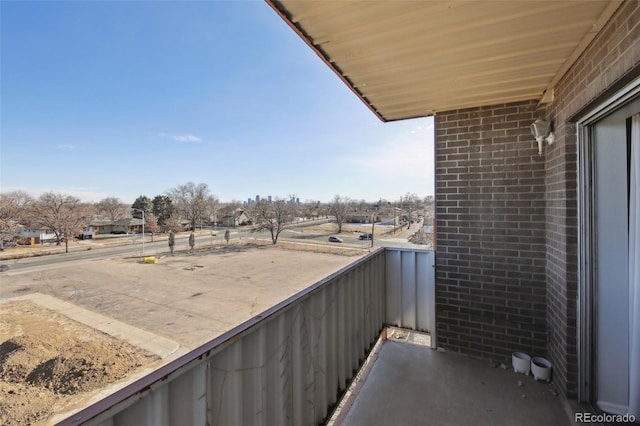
(541, 130)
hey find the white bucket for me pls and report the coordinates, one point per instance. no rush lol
(541, 368)
(521, 362)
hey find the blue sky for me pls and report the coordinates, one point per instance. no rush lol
(127, 98)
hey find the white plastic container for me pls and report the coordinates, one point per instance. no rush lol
(541, 368)
(521, 362)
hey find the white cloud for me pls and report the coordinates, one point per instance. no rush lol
(186, 138)
(65, 147)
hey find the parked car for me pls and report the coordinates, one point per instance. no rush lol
(366, 236)
(7, 244)
(334, 239)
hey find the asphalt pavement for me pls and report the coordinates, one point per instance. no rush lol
(131, 246)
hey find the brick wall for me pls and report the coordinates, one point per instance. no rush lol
(611, 60)
(506, 276)
(490, 212)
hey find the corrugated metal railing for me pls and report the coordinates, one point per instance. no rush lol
(288, 365)
(411, 301)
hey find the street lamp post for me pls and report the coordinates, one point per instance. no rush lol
(142, 211)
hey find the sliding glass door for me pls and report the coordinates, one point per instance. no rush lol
(609, 305)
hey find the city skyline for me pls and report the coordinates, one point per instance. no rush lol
(125, 99)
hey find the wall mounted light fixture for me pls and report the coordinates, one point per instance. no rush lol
(541, 130)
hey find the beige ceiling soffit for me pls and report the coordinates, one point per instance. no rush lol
(547, 97)
(274, 4)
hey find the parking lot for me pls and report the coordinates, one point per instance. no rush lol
(189, 298)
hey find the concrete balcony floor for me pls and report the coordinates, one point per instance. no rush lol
(408, 384)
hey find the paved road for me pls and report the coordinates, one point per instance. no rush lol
(128, 246)
(92, 250)
(353, 240)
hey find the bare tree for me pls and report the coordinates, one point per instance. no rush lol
(339, 209)
(311, 209)
(63, 214)
(429, 207)
(410, 204)
(14, 208)
(233, 204)
(172, 224)
(272, 217)
(112, 207)
(363, 206)
(211, 211)
(385, 208)
(192, 201)
(151, 224)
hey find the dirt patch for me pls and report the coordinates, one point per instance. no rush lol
(48, 360)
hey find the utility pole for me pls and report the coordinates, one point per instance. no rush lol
(394, 218)
(373, 227)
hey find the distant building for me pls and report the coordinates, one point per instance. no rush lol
(129, 225)
(38, 234)
(363, 217)
(234, 218)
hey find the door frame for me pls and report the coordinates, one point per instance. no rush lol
(587, 312)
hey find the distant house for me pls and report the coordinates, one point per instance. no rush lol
(128, 225)
(88, 233)
(37, 234)
(363, 217)
(234, 218)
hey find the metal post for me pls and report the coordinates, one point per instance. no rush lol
(373, 229)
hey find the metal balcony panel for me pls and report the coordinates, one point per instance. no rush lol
(410, 288)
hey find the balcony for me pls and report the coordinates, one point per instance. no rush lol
(293, 363)
(409, 384)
